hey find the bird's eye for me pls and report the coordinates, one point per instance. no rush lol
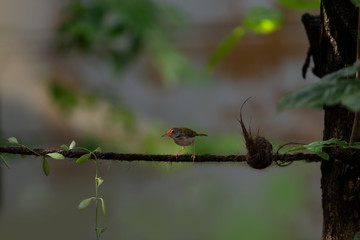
(172, 131)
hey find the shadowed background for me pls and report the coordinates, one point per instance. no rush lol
(51, 95)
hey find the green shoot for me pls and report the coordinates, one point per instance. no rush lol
(98, 181)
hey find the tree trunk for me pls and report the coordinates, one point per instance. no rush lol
(340, 182)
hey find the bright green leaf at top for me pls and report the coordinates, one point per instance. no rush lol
(13, 140)
(225, 46)
(301, 4)
(357, 4)
(84, 158)
(264, 20)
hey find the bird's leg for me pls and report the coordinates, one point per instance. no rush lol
(193, 155)
(183, 147)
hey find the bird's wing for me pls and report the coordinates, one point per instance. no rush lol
(188, 132)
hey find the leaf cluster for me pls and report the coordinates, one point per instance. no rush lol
(118, 31)
(318, 146)
(54, 155)
(45, 164)
(84, 158)
(340, 87)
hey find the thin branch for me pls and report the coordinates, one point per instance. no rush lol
(351, 156)
(160, 158)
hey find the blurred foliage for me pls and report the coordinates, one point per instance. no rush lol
(263, 20)
(301, 4)
(356, 2)
(334, 88)
(223, 144)
(244, 209)
(119, 31)
(225, 47)
(357, 236)
(65, 97)
(68, 97)
(122, 132)
(318, 146)
(260, 20)
(90, 142)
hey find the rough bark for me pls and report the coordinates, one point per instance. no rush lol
(340, 182)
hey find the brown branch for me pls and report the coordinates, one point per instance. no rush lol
(352, 155)
(287, 158)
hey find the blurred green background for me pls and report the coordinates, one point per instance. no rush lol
(119, 74)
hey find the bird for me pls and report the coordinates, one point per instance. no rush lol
(183, 137)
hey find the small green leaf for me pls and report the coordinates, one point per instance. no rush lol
(85, 203)
(98, 149)
(24, 156)
(72, 145)
(4, 162)
(84, 158)
(46, 167)
(13, 140)
(102, 230)
(64, 147)
(56, 155)
(99, 181)
(103, 206)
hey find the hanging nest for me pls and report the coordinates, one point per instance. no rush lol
(259, 149)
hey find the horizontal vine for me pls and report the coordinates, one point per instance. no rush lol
(283, 158)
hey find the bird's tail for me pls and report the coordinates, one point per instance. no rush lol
(201, 134)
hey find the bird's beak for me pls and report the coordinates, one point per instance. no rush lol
(165, 135)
